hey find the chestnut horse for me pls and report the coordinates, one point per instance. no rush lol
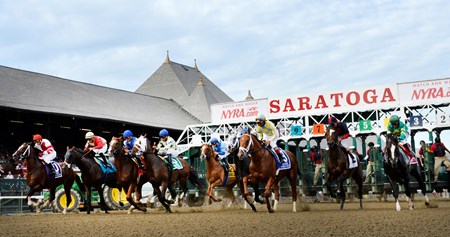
(129, 178)
(92, 175)
(263, 169)
(338, 167)
(37, 177)
(215, 174)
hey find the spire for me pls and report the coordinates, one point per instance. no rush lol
(200, 82)
(195, 65)
(167, 58)
(249, 96)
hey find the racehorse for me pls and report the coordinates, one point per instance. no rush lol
(131, 180)
(215, 174)
(37, 177)
(263, 169)
(338, 168)
(178, 175)
(92, 175)
(242, 167)
(396, 167)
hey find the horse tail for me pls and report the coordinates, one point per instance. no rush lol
(195, 180)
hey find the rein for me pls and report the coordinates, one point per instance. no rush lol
(248, 149)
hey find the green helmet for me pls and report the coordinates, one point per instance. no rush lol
(394, 119)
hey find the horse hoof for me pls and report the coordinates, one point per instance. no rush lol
(427, 204)
(144, 210)
(219, 199)
(271, 211)
(121, 204)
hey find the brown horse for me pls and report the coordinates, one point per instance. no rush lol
(338, 167)
(215, 174)
(37, 177)
(92, 175)
(132, 179)
(263, 169)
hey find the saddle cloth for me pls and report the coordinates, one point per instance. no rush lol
(175, 162)
(286, 161)
(57, 170)
(352, 164)
(110, 169)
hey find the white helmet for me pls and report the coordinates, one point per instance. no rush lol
(89, 135)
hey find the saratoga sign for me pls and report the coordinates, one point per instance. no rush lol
(362, 99)
(343, 101)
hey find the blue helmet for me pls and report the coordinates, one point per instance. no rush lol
(163, 133)
(127, 133)
(214, 139)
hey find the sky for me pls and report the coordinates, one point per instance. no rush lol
(272, 48)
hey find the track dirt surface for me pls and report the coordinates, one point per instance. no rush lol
(312, 219)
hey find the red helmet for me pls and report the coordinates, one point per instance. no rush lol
(37, 137)
(332, 119)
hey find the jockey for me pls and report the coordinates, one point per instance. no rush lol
(96, 144)
(269, 132)
(345, 140)
(47, 153)
(167, 147)
(220, 150)
(128, 145)
(400, 129)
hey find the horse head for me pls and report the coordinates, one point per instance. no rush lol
(71, 155)
(246, 145)
(233, 143)
(391, 150)
(331, 137)
(23, 151)
(207, 151)
(115, 146)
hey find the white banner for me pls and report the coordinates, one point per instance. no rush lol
(235, 112)
(334, 102)
(424, 92)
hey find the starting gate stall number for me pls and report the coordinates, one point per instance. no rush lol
(416, 121)
(318, 129)
(296, 130)
(365, 125)
(442, 119)
(386, 122)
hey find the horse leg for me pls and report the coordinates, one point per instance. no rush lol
(161, 196)
(329, 187)
(293, 182)
(102, 199)
(276, 191)
(267, 194)
(30, 202)
(130, 191)
(418, 176)
(358, 179)
(243, 186)
(48, 201)
(87, 201)
(183, 193)
(394, 186)
(230, 194)
(341, 191)
(67, 188)
(408, 194)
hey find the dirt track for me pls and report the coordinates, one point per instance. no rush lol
(313, 219)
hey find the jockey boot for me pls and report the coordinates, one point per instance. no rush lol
(105, 162)
(225, 164)
(139, 162)
(280, 156)
(169, 162)
(51, 173)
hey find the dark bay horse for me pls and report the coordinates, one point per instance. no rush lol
(215, 174)
(396, 167)
(180, 176)
(92, 175)
(263, 169)
(242, 167)
(130, 179)
(37, 177)
(338, 168)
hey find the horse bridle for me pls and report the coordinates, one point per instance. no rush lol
(25, 154)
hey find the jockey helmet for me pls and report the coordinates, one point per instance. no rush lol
(394, 119)
(437, 140)
(332, 120)
(127, 133)
(89, 135)
(245, 130)
(260, 117)
(214, 140)
(163, 133)
(314, 148)
(371, 144)
(37, 137)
